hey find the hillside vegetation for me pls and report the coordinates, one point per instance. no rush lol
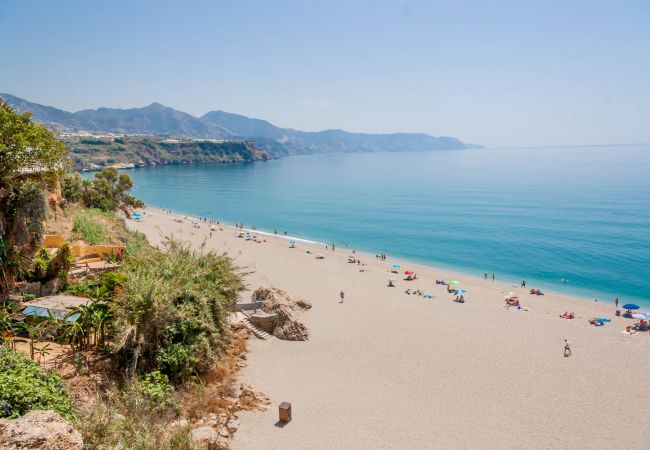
(151, 347)
(95, 153)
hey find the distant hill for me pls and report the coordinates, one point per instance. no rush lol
(155, 119)
(160, 120)
(289, 141)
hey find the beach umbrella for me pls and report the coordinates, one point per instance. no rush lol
(462, 291)
(630, 306)
(639, 316)
(409, 272)
(602, 319)
(292, 242)
(396, 266)
(455, 282)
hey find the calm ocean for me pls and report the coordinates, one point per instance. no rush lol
(537, 214)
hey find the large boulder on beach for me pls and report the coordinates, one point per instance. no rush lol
(286, 307)
(39, 430)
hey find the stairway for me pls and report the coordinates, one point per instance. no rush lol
(257, 331)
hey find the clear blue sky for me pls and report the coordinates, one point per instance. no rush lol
(499, 73)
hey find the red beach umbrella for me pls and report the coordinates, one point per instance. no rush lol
(409, 272)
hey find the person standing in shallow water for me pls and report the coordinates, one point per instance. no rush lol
(523, 284)
(616, 302)
(492, 277)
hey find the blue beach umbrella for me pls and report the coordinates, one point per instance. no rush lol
(462, 291)
(396, 266)
(602, 319)
(630, 306)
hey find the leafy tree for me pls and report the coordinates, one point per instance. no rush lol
(26, 146)
(109, 191)
(31, 157)
(71, 187)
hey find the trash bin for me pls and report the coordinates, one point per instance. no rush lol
(285, 412)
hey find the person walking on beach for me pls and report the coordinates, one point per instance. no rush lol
(567, 348)
(523, 284)
(342, 297)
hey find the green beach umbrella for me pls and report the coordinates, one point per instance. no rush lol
(455, 282)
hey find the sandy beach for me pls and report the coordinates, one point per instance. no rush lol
(385, 369)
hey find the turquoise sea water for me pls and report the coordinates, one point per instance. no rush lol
(535, 214)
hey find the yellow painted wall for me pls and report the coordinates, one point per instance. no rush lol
(53, 241)
(108, 250)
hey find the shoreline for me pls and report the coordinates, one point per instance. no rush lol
(385, 369)
(461, 272)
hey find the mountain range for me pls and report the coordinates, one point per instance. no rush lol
(161, 120)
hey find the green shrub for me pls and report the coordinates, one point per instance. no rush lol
(71, 187)
(135, 242)
(155, 386)
(101, 289)
(25, 386)
(171, 313)
(87, 226)
(46, 267)
(127, 418)
(41, 261)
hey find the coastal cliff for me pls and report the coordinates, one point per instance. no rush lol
(94, 153)
(160, 120)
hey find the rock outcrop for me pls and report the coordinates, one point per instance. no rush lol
(39, 430)
(286, 307)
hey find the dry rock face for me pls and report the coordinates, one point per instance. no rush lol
(39, 430)
(286, 307)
